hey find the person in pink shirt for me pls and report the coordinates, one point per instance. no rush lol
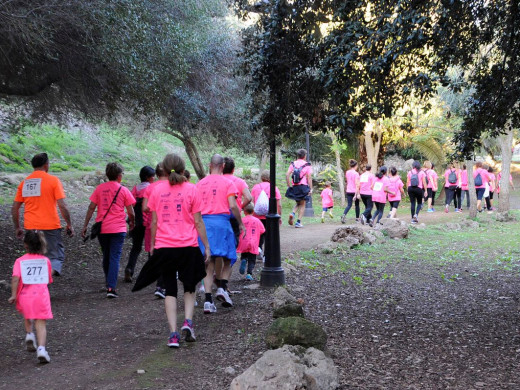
(396, 186)
(380, 187)
(352, 190)
(327, 201)
(492, 187)
(265, 186)
(111, 199)
(480, 178)
(464, 186)
(431, 184)
(365, 193)
(417, 189)
(452, 181)
(29, 291)
(243, 194)
(218, 201)
(177, 229)
(499, 178)
(249, 244)
(299, 186)
(146, 175)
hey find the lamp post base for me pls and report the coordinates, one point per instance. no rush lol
(272, 277)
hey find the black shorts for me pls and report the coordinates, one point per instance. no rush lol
(394, 204)
(187, 261)
(298, 192)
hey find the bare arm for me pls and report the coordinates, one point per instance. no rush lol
(201, 230)
(279, 206)
(246, 197)
(91, 208)
(14, 286)
(131, 216)
(288, 179)
(236, 212)
(65, 214)
(153, 231)
(15, 214)
(145, 205)
(309, 181)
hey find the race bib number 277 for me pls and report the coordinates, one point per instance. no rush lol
(32, 187)
(34, 271)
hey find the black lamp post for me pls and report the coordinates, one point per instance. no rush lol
(272, 274)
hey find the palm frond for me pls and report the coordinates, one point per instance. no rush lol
(430, 149)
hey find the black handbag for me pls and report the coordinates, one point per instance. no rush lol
(95, 230)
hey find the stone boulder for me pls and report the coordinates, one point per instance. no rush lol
(352, 235)
(281, 297)
(289, 368)
(505, 217)
(394, 228)
(469, 224)
(450, 226)
(289, 310)
(295, 331)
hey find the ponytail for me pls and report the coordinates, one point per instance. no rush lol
(35, 242)
(175, 165)
(382, 172)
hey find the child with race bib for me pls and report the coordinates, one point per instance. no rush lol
(327, 201)
(396, 186)
(248, 246)
(380, 187)
(31, 274)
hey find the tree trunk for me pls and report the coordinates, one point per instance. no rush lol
(191, 151)
(471, 189)
(373, 136)
(263, 160)
(339, 171)
(506, 142)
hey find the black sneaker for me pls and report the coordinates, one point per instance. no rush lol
(160, 292)
(111, 293)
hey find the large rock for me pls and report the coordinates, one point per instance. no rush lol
(281, 297)
(452, 226)
(469, 223)
(505, 217)
(289, 368)
(352, 235)
(289, 310)
(394, 228)
(295, 331)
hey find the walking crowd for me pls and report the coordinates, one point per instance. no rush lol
(193, 232)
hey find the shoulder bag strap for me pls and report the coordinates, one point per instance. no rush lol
(113, 201)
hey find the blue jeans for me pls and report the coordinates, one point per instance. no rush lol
(111, 246)
(55, 250)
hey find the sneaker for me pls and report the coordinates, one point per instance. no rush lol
(389, 216)
(430, 211)
(343, 218)
(173, 341)
(128, 276)
(446, 209)
(331, 216)
(363, 219)
(223, 297)
(298, 225)
(160, 292)
(30, 342)
(249, 277)
(209, 307)
(433, 208)
(202, 290)
(291, 219)
(370, 223)
(243, 265)
(111, 293)
(323, 220)
(188, 331)
(43, 355)
(358, 219)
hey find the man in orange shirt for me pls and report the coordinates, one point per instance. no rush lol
(40, 193)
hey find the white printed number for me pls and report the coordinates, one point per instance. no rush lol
(363, 179)
(31, 187)
(378, 186)
(35, 271)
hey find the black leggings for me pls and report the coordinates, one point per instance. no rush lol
(350, 198)
(450, 194)
(379, 212)
(251, 261)
(137, 245)
(367, 201)
(465, 194)
(457, 199)
(416, 196)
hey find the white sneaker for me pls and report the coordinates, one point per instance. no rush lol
(223, 296)
(209, 307)
(30, 342)
(202, 290)
(43, 355)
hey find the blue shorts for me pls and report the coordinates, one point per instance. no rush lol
(220, 236)
(480, 193)
(327, 208)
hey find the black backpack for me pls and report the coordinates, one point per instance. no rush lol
(296, 175)
(138, 211)
(414, 179)
(478, 180)
(452, 177)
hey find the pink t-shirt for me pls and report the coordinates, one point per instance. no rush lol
(303, 172)
(464, 180)
(492, 181)
(240, 184)
(214, 191)
(447, 175)
(115, 221)
(254, 228)
(326, 198)
(421, 175)
(174, 207)
(483, 174)
(351, 176)
(395, 185)
(257, 190)
(33, 300)
(432, 177)
(138, 192)
(378, 189)
(499, 176)
(365, 183)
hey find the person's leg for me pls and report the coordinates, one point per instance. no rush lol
(137, 245)
(491, 199)
(356, 207)
(458, 198)
(381, 208)
(350, 198)
(323, 210)
(208, 280)
(170, 305)
(251, 261)
(411, 195)
(226, 273)
(370, 206)
(449, 197)
(488, 203)
(116, 247)
(462, 196)
(41, 332)
(480, 193)
(433, 199)
(301, 209)
(104, 242)
(419, 196)
(55, 249)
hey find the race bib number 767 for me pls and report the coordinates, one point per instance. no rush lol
(34, 271)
